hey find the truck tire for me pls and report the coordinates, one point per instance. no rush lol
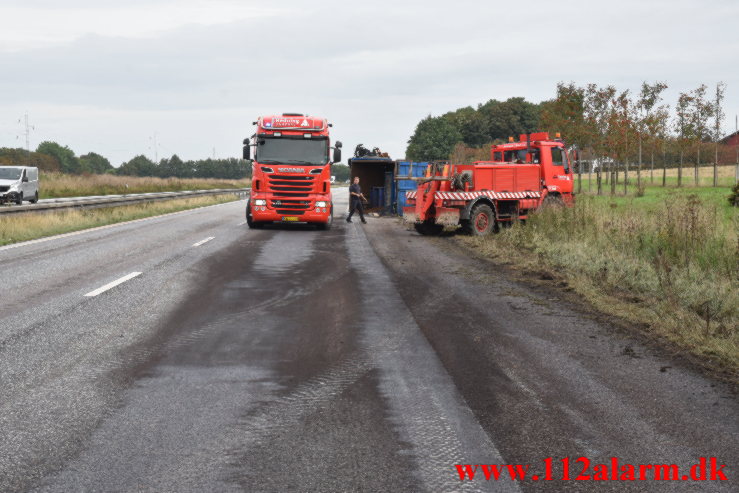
(429, 228)
(327, 225)
(249, 221)
(19, 199)
(553, 200)
(34, 199)
(481, 222)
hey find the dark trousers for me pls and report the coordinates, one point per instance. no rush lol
(356, 205)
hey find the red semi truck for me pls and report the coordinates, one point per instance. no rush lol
(481, 196)
(291, 170)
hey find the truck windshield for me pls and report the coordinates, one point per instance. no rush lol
(7, 173)
(292, 151)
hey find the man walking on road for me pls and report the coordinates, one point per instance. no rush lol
(355, 201)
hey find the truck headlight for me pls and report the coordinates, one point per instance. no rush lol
(320, 203)
(260, 202)
(14, 187)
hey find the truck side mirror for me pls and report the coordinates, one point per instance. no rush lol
(337, 153)
(25, 179)
(338, 144)
(246, 152)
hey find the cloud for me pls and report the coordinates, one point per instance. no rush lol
(109, 75)
(45, 24)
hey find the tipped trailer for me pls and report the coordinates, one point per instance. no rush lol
(480, 197)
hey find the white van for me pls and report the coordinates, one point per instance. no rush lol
(18, 183)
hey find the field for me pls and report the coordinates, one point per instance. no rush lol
(57, 185)
(667, 261)
(23, 227)
(705, 177)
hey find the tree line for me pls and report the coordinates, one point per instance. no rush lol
(611, 128)
(619, 129)
(51, 156)
(436, 136)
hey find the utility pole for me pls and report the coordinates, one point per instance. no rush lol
(214, 153)
(156, 148)
(27, 133)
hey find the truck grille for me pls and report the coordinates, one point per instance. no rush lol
(4, 189)
(290, 207)
(290, 186)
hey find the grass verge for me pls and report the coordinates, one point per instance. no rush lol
(667, 262)
(58, 185)
(23, 227)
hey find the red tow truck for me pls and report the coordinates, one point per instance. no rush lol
(291, 170)
(480, 197)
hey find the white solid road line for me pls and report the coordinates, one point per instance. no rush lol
(113, 284)
(203, 241)
(241, 223)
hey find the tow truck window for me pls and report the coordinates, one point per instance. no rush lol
(498, 156)
(559, 158)
(520, 156)
(281, 150)
(516, 156)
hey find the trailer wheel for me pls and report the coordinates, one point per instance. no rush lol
(429, 228)
(249, 221)
(481, 222)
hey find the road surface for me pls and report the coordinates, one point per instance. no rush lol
(187, 353)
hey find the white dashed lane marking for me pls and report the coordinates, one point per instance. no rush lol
(113, 284)
(203, 241)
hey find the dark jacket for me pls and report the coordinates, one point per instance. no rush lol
(354, 188)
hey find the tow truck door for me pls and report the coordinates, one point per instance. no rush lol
(558, 174)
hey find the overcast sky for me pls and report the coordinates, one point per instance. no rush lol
(106, 76)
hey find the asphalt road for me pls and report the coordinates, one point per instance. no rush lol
(189, 353)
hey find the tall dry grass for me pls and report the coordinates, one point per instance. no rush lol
(57, 185)
(675, 268)
(23, 227)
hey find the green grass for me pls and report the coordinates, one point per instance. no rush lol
(667, 261)
(30, 226)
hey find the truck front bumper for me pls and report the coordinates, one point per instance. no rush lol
(313, 215)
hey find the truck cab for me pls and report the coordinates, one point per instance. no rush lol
(551, 157)
(291, 170)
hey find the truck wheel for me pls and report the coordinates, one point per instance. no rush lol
(429, 228)
(249, 221)
(19, 198)
(327, 225)
(34, 199)
(481, 222)
(553, 201)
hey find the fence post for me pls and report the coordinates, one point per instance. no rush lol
(626, 176)
(590, 176)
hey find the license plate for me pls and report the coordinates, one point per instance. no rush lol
(290, 218)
